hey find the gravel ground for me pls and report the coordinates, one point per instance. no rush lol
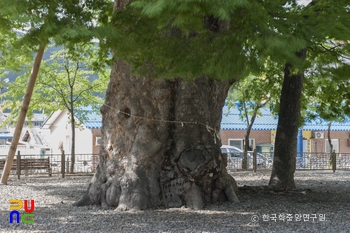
(321, 205)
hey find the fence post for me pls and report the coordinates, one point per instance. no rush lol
(63, 163)
(67, 165)
(334, 161)
(254, 160)
(18, 164)
(50, 166)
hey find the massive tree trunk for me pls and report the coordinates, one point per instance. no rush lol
(160, 144)
(284, 162)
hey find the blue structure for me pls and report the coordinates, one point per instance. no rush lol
(231, 121)
(94, 120)
(5, 135)
(300, 149)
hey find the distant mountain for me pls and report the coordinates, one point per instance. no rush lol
(12, 76)
(48, 52)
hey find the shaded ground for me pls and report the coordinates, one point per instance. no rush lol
(322, 203)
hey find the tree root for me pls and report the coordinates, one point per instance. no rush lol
(85, 200)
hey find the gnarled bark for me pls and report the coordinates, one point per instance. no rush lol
(160, 144)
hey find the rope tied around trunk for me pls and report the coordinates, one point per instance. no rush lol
(210, 129)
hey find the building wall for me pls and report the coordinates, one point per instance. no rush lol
(260, 136)
(82, 139)
(57, 133)
(319, 145)
(95, 147)
(61, 131)
(315, 145)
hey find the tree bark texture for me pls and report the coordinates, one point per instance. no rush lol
(284, 162)
(71, 169)
(329, 137)
(161, 144)
(250, 124)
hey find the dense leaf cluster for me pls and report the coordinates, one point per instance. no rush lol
(221, 39)
(66, 81)
(189, 38)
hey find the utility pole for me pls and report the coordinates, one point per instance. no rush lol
(22, 114)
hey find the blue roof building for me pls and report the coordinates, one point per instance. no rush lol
(315, 132)
(94, 120)
(231, 121)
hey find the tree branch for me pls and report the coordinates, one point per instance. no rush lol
(81, 92)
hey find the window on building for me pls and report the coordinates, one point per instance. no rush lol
(98, 141)
(68, 143)
(37, 124)
(335, 143)
(239, 142)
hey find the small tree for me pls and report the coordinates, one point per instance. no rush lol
(69, 84)
(328, 88)
(67, 81)
(251, 94)
(67, 22)
(315, 25)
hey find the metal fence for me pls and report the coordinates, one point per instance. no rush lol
(84, 163)
(304, 161)
(87, 163)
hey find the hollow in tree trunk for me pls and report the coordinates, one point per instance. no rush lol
(160, 144)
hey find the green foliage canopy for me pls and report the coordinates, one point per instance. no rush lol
(66, 81)
(63, 21)
(221, 39)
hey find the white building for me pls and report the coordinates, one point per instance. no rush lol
(57, 129)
